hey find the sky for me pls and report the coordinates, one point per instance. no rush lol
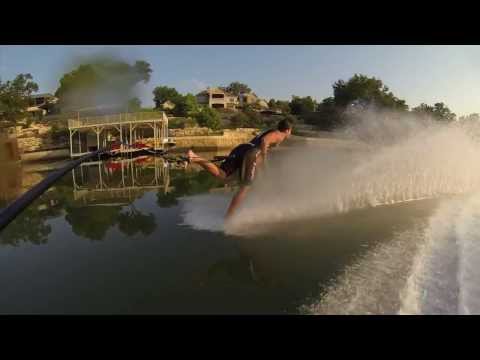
(428, 74)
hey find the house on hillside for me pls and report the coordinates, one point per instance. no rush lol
(167, 105)
(41, 104)
(252, 99)
(262, 104)
(218, 99)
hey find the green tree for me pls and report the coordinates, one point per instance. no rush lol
(134, 105)
(187, 183)
(133, 221)
(300, 105)
(439, 111)
(279, 105)
(29, 226)
(208, 117)
(166, 200)
(236, 88)
(327, 117)
(240, 120)
(250, 118)
(185, 105)
(443, 113)
(283, 106)
(367, 90)
(15, 96)
(94, 223)
(164, 93)
(59, 131)
(423, 110)
(255, 120)
(101, 82)
(292, 118)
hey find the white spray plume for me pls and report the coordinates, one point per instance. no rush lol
(399, 158)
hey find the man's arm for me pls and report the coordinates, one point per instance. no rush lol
(264, 147)
(267, 141)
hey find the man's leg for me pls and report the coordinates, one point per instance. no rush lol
(207, 165)
(247, 174)
(236, 201)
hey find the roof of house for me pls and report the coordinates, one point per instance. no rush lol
(35, 96)
(250, 94)
(214, 90)
(271, 112)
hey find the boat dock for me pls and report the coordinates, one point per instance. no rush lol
(118, 133)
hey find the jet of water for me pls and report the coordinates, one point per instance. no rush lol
(398, 158)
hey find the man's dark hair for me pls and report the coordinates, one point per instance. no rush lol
(284, 125)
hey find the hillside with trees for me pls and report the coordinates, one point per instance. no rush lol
(103, 82)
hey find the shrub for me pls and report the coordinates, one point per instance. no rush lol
(239, 120)
(58, 132)
(181, 123)
(208, 117)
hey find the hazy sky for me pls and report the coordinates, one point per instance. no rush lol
(415, 73)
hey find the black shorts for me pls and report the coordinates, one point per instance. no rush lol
(241, 163)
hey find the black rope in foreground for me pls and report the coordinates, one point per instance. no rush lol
(15, 208)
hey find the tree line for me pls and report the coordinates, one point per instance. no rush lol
(359, 92)
(113, 82)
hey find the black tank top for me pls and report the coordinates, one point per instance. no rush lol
(257, 140)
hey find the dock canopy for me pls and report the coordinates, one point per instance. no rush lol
(122, 130)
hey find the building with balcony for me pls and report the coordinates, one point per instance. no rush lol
(218, 99)
(41, 104)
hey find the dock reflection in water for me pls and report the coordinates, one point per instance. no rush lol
(123, 179)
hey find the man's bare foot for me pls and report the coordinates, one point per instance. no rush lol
(191, 156)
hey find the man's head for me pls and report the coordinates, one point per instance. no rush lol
(285, 126)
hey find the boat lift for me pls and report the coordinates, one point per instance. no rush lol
(127, 129)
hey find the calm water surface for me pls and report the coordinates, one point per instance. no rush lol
(111, 238)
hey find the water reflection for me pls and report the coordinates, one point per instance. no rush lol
(104, 194)
(119, 181)
(98, 196)
(30, 225)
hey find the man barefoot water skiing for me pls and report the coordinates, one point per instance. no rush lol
(243, 161)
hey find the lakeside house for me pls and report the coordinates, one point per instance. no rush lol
(41, 104)
(251, 99)
(218, 98)
(167, 105)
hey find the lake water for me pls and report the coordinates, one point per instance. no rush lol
(121, 237)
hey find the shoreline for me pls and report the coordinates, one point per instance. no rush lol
(209, 143)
